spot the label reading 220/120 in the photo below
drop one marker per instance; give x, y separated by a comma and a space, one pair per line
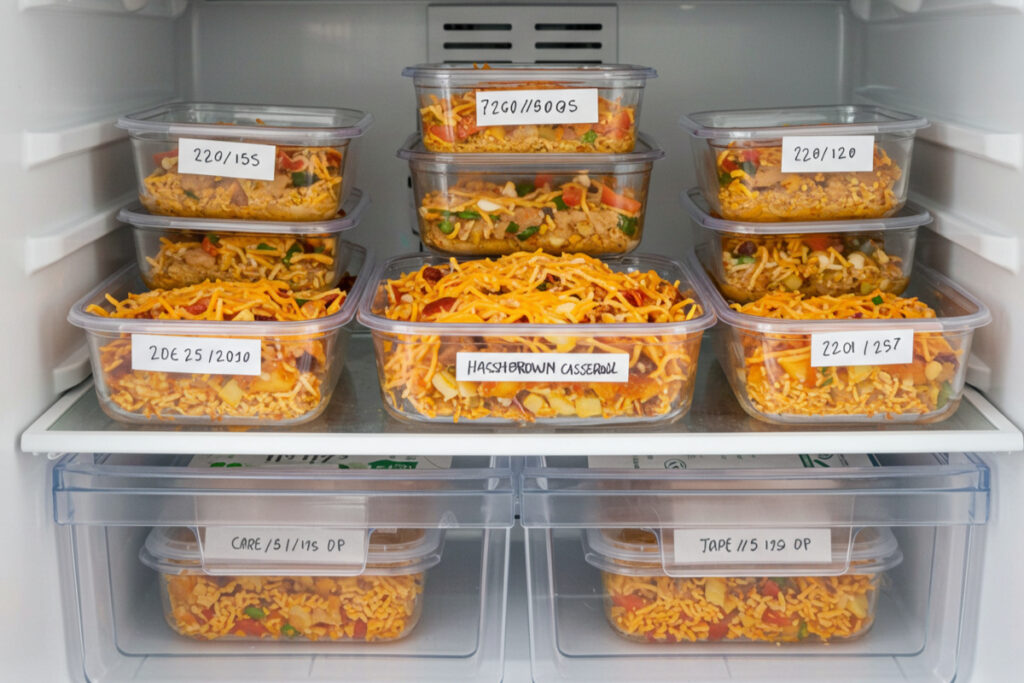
226, 159
863, 347
828, 153
196, 355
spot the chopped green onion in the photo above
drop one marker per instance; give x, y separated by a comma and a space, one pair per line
749, 168
512, 227
627, 224
589, 137
827, 382
191, 195
447, 227
319, 250
543, 286
523, 189
292, 250
304, 178
495, 217
300, 302
213, 237
528, 233
744, 259
263, 246
468, 215
254, 612
802, 632
877, 300
289, 630
560, 204
945, 393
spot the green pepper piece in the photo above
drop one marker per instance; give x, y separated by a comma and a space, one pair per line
589, 137
827, 382
749, 168
512, 227
213, 237
191, 195
627, 224
523, 189
263, 246
560, 204
468, 215
945, 393
877, 300
300, 302
319, 250
528, 233
543, 287
289, 630
802, 632
254, 612
495, 217
447, 227
292, 250
304, 178
724, 178
744, 259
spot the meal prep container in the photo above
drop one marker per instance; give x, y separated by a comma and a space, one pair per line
314, 348
529, 107
416, 361
177, 252
488, 204
646, 601
252, 162
768, 360
803, 163
380, 601
820, 257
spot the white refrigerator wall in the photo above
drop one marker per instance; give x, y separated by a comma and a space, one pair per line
69, 73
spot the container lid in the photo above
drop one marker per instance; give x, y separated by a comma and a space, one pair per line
349, 215
910, 216
763, 124
639, 552
127, 280
406, 263
470, 74
956, 309
173, 550
314, 126
645, 151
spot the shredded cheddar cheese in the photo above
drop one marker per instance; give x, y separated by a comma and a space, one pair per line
418, 371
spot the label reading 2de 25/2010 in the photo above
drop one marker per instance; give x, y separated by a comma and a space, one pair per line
205, 355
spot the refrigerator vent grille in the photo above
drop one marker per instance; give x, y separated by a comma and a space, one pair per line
542, 34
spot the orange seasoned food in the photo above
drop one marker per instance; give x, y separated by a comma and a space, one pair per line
418, 371
777, 376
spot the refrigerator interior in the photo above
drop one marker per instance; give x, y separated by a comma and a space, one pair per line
74, 65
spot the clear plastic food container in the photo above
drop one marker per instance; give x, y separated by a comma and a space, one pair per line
380, 601
259, 372
177, 252
529, 107
821, 257
265, 163
556, 373
487, 204
646, 602
851, 370
803, 163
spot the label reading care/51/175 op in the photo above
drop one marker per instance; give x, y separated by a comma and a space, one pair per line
541, 367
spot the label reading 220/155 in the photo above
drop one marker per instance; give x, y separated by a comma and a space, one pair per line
541, 367
536, 107
828, 153
196, 355
864, 347
226, 159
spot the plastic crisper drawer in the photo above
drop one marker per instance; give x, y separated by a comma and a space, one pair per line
662, 546
282, 567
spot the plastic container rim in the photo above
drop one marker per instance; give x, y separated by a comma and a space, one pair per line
897, 122
78, 317
143, 122
467, 73
379, 323
754, 323
355, 205
909, 217
646, 150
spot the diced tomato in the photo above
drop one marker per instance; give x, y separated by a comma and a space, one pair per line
629, 602
333, 157
199, 306
431, 274
719, 629
822, 242
439, 305
770, 616
769, 588
443, 132
541, 180
618, 201
619, 122
360, 629
396, 293
157, 158
466, 126
728, 165
650, 637
751, 155
209, 247
572, 195
634, 296
286, 163
207, 612
250, 627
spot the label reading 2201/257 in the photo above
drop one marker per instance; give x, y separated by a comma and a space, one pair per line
196, 355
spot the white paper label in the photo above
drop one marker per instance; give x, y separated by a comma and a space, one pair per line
744, 546
534, 107
727, 462
305, 545
342, 462
471, 366
828, 153
226, 159
196, 355
863, 347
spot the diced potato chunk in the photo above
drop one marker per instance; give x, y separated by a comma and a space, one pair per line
714, 591
859, 606
445, 383
588, 406
858, 373
231, 393
561, 405
535, 404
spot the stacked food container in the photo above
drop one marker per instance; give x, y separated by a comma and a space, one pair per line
250, 286
543, 167
809, 240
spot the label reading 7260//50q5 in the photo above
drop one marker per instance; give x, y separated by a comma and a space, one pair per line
828, 153
196, 355
536, 107
752, 546
862, 347
541, 367
226, 159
